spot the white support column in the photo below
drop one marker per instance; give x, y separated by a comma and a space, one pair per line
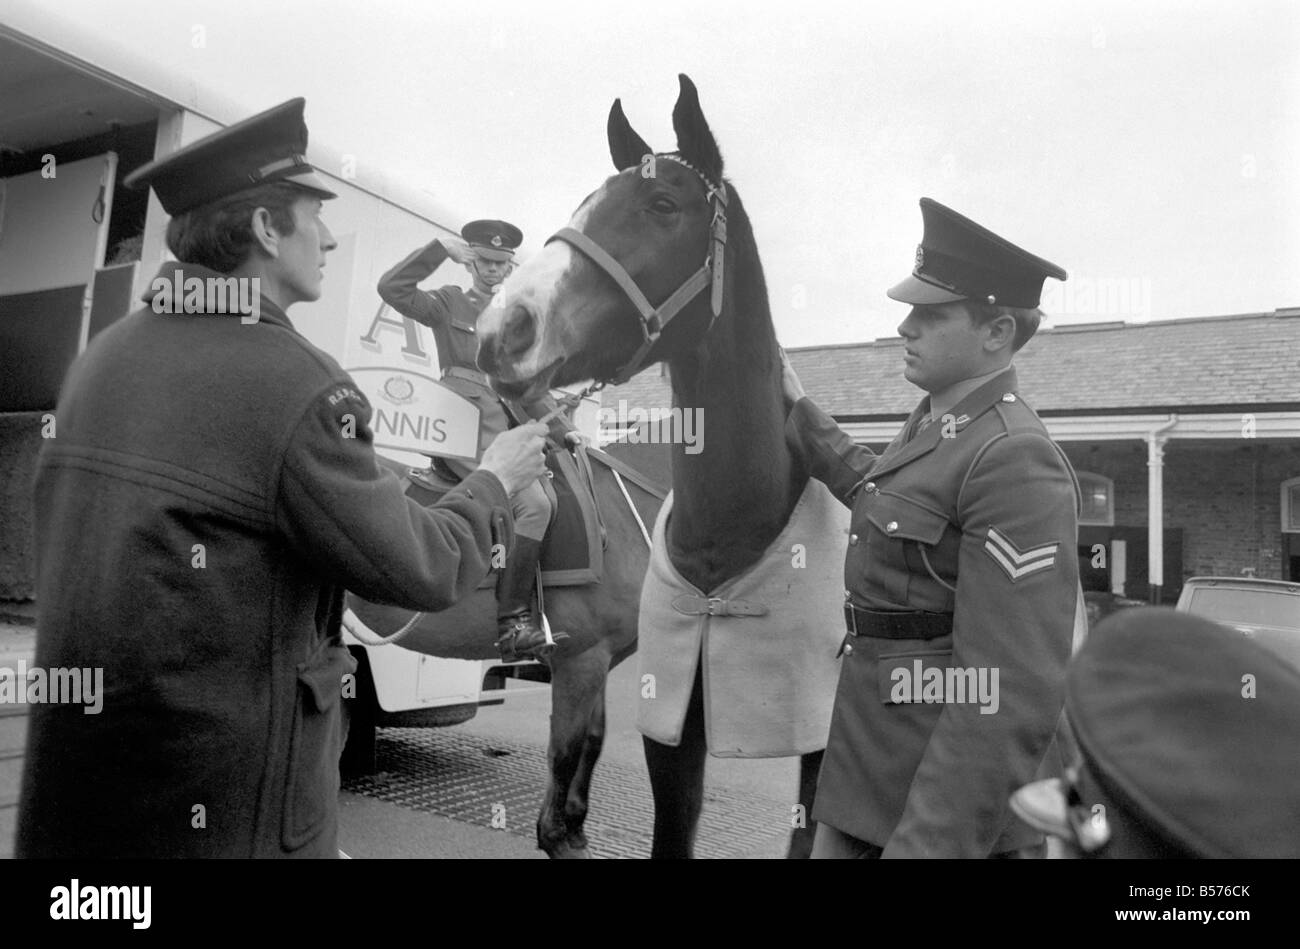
1156, 507
1118, 566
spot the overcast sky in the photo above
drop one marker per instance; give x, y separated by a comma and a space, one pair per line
1150, 148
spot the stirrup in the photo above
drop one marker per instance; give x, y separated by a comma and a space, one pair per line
541, 651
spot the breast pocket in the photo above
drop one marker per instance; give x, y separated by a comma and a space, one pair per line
464, 340
312, 782
901, 529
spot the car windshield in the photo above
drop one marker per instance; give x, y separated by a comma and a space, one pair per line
1254, 607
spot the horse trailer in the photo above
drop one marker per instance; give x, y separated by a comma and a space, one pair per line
77, 249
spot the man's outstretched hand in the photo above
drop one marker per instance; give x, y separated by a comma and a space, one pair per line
791, 387
517, 456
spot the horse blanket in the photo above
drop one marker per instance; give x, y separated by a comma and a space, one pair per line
768, 639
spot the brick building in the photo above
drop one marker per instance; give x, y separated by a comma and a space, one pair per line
1185, 435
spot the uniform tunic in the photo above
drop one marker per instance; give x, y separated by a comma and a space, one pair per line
210, 492
452, 314
975, 516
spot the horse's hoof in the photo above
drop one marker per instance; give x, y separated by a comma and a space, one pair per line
567, 851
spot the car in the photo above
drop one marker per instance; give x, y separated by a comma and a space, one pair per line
1101, 604
1267, 611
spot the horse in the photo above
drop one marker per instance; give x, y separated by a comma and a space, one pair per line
580, 310
600, 620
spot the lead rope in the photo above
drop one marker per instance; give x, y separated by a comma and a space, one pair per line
645, 534
368, 637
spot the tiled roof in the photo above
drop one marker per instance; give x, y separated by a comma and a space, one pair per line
1252, 359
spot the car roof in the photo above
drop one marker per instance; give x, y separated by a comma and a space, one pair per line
1246, 582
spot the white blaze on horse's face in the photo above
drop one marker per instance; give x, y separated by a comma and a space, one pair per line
559, 318
524, 302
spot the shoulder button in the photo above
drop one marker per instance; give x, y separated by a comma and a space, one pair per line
1009, 397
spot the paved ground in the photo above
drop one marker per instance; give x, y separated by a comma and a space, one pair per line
473, 790
491, 772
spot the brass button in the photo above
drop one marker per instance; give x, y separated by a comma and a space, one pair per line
853, 540
848, 649
891, 527
869, 487
847, 595
1009, 397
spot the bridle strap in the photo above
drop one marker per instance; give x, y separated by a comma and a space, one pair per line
655, 319
612, 267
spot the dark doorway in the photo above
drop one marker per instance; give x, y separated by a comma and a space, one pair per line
1291, 557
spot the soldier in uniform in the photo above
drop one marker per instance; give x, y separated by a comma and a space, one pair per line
210, 491
961, 574
1186, 735
487, 251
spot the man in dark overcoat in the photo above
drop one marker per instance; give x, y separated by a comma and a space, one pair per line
210, 491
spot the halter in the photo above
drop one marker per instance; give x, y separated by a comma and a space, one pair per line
654, 320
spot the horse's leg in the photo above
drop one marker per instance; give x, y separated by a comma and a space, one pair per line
577, 684
801, 840
575, 811
677, 782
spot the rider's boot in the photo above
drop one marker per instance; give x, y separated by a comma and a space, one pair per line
520, 635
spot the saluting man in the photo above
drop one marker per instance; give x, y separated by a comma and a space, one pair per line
961, 573
487, 252
211, 490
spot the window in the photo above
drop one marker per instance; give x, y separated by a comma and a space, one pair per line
1291, 506
1098, 499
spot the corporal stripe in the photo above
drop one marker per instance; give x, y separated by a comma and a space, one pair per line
1014, 554
1013, 561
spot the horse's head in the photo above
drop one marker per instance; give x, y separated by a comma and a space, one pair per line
568, 315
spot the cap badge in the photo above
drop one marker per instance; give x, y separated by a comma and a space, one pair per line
496, 240
399, 390
920, 257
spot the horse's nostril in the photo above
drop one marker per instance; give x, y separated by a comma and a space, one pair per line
519, 330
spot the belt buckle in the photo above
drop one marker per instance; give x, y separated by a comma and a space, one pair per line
851, 621
717, 606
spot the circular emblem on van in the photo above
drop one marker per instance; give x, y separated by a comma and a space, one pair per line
399, 390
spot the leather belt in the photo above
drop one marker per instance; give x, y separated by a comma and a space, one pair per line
460, 372
691, 605
909, 624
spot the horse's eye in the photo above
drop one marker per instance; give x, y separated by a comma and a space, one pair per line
663, 205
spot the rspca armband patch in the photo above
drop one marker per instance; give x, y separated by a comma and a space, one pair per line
1017, 563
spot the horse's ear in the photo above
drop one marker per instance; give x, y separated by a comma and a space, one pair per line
694, 140
625, 146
